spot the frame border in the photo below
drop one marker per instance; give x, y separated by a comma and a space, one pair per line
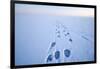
12, 33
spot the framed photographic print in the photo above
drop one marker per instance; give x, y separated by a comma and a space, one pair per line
50, 34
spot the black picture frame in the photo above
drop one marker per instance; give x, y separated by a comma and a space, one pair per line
12, 33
